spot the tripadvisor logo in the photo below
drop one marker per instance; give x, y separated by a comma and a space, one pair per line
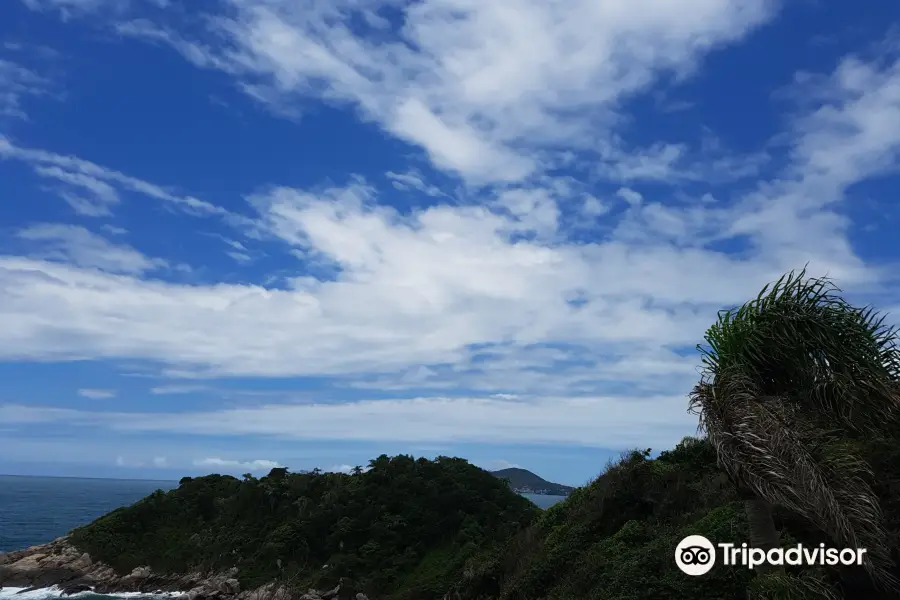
696, 555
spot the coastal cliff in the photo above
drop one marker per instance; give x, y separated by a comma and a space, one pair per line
401, 529
59, 564
437, 530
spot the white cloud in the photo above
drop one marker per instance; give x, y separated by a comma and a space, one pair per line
157, 462
594, 207
483, 88
240, 257
346, 469
115, 230
412, 180
561, 342
17, 82
70, 8
78, 246
100, 195
589, 421
449, 273
442, 279
231, 465
163, 390
630, 196
851, 134
96, 394
103, 185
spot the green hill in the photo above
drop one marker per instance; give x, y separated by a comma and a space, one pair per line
425, 530
522, 480
402, 530
614, 538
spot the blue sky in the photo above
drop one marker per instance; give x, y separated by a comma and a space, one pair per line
260, 232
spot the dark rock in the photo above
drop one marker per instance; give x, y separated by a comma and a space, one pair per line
348, 589
54, 576
12, 578
60, 564
75, 588
104, 588
332, 593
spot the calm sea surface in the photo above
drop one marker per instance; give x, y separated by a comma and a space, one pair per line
35, 510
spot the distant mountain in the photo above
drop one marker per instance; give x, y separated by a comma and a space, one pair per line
524, 481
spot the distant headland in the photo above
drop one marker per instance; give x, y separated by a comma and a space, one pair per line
524, 481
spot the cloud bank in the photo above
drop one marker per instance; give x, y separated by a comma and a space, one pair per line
536, 269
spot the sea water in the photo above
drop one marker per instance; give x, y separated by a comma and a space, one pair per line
37, 510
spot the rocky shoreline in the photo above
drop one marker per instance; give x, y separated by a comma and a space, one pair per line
62, 565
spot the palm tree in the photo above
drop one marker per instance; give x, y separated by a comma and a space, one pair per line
790, 382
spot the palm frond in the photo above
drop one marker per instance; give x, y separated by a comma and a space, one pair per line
811, 586
767, 447
786, 376
801, 340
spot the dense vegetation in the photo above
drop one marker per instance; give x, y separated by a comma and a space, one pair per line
799, 400
521, 479
790, 379
401, 530
415, 529
614, 539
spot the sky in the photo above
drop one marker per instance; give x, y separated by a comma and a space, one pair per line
237, 234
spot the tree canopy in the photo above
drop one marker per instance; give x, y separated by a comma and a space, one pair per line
403, 526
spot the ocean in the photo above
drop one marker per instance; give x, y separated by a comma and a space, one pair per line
36, 510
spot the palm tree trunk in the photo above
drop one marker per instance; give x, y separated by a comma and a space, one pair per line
763, 534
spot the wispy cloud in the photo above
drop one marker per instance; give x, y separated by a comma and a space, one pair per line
519, 293
73, 8
452, 271
231, 465
412, 181
483, 90
157, 462
586, 421
103, 186
16, 83
78, 246
164, 390
96, 394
